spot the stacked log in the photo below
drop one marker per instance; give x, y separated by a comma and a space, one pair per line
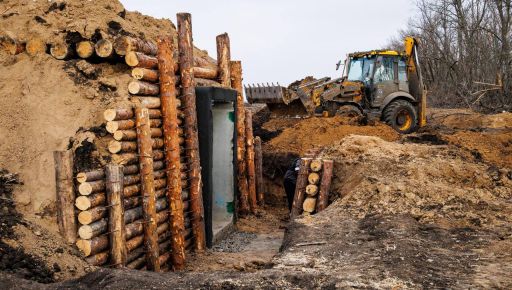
312, 188
35, 46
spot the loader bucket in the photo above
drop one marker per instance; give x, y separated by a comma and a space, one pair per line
268, 94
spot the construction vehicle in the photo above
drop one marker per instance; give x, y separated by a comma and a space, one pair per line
378, 84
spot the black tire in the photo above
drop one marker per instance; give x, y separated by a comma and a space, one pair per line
330, 108
350, 111
401, 116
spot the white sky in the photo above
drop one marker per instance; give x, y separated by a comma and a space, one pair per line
285, 40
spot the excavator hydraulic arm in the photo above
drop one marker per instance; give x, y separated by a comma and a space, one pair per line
415, 77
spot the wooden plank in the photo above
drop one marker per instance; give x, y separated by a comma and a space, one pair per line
116, 226
300, 188
66, 218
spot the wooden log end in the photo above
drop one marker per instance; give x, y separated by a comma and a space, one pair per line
35, 46
82, 203
109, 115
314, 178
114, 146
59, 50
131, 59
316, 165
123, 45
85, 218
112, 126
311, 190
138, 73
309, 205
81, 177
104, 48
85, 188
118, 135
85, 232
134, 87
85, 49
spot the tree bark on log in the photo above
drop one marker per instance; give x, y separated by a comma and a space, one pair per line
104, 48
243, 186
118, 114
136, 252
148, 102
66, 218
98, 259
91, 201
143, 88
132, 158
85, 49
87, 188
35, 46
145, 74
251, 173
186, 55
87, 217
113, 126
206, 73
116, 225
137, 59
94, 175
166, 68
125, 44
258, 165
200, 82
323, 195
148, 189
224, 59
95, 229
130, 135
137, 264
300, 187
93, 246
127, 146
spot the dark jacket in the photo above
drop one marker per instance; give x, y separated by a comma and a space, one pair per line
293, 171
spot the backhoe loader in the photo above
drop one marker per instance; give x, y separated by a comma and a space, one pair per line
383, 84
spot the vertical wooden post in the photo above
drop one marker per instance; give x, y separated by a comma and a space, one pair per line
223, 59
258, 165
166, 66
188, 93
325, 184
147, 187
65, 194
243, 186
116, 227
251, 174
300, 187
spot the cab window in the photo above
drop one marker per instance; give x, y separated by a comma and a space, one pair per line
402, 71
384, 71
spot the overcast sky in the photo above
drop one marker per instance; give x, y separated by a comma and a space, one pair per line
285, 40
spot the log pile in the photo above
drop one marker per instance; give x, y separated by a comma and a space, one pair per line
312, 188
144, 209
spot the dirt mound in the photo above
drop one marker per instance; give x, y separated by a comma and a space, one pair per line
434, 184
319, 132
467, 119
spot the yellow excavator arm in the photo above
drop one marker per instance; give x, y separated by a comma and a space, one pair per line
415, 78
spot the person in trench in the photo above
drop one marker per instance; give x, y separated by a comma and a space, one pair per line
290, 181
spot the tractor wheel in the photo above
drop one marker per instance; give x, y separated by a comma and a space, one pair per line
350, 111
401, 116
330, 108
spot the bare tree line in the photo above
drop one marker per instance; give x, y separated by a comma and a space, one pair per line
465, 52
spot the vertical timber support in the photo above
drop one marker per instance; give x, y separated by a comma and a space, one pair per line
258, 165
188, 95
166, 66
251, 174
325, 184
116, 226
223, 59
147, 187
65, 195
300, 187
243, 186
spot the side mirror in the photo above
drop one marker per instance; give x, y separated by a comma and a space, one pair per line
338, 65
